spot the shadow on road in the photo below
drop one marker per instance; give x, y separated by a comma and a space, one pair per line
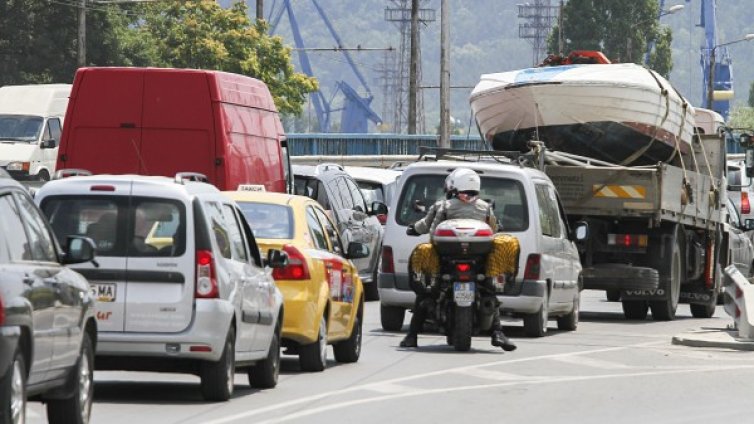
156, 392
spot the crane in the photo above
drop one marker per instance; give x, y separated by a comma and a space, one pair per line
356, 111
722, 86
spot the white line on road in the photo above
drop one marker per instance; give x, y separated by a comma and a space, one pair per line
590, 362
495, 375
309, 399
425, 392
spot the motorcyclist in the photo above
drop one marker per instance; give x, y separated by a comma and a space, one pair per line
462, 192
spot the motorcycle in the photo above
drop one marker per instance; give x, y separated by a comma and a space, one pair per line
464, 297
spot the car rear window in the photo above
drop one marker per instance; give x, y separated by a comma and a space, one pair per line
372, 191
420, 192
268, 221
121, 226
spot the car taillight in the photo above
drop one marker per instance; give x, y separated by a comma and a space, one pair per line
445, 233
297, 269
533, 268
745, 205
388, 266
485, 232
382, 218
206, 282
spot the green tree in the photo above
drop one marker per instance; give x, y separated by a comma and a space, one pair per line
742, 117
201, 34
619, 28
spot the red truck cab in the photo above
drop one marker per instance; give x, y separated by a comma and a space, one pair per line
153, 121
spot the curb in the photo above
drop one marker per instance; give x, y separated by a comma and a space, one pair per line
709, 337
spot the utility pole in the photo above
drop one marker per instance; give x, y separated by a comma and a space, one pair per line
81, 43
260, 10
444, 76
413, 72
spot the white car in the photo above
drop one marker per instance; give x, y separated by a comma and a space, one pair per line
526, 206
376, 184
181, 285
740, 187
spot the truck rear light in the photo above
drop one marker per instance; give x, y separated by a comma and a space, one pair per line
206, 281
102, 187
745, 204
297, 269
533, 266
709, 269
627, 240
388, 266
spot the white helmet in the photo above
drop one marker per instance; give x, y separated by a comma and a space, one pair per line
465, 179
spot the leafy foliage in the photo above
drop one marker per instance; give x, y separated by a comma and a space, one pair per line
742, 117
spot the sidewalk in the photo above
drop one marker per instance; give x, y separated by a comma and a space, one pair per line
713, 337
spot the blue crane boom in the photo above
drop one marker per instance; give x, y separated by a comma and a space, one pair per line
722, 85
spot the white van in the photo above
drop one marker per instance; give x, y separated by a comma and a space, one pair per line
548, 282
31, 123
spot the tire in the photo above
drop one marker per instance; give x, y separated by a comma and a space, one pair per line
570, 322
392, 317
613, 295
371, 290
217, 377
43, 175
77, 408
313, 357
635, 309
463, 325
535, 325
264, 374
670, 281
13, 391
705, 310
348, 351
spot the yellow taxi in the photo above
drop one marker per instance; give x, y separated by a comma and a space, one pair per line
322, 291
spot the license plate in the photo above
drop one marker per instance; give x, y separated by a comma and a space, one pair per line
103, 292
463, 292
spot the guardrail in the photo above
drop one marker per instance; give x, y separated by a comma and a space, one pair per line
320, 144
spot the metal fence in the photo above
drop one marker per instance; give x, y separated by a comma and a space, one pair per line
371, 144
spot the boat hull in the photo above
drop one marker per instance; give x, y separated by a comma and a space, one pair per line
629, 116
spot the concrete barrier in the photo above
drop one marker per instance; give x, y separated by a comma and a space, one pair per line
739, 302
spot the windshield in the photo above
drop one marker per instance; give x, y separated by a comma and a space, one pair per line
20, 127
268, 221
421, 191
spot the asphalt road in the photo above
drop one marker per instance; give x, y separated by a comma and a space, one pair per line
609, 370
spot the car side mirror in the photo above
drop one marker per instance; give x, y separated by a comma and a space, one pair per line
749, 225
48, 144
379, 208
581, 232
79, 249
357, 250
749, 161
276, 259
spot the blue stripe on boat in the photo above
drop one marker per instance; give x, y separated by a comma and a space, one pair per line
544, 74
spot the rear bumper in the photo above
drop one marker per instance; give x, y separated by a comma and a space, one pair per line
300, 321
9, 337
620, 277
209, 327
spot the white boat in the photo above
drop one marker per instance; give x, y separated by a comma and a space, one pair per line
622, 113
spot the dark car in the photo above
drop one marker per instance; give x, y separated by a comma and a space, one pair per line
47, 325
357, 221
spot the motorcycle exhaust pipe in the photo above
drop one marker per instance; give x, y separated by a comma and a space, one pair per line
487, 307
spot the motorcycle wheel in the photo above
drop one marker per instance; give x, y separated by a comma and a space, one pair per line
463, 322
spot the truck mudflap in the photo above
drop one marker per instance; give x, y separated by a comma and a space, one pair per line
696, 295
621, 277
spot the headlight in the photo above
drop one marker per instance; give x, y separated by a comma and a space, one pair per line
18, 166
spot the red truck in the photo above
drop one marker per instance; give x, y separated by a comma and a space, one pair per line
152, 121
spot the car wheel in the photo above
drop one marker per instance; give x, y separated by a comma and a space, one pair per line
349, 351
264, 374
706, 310
218, 377
570, 321
635, 309
313, 357
13, 392
535, 325
43, 176
78, 407
392, 317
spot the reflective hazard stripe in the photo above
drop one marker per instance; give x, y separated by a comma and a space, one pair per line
620, 191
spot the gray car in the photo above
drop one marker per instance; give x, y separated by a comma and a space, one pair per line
357, 221
48, 330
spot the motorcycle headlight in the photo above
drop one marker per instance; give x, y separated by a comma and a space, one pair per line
18, 166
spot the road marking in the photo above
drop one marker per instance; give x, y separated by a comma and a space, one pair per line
445, 390
495, 375
591, 362
312, 398
389, 388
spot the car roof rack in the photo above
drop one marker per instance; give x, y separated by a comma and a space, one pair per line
532, 158
324, 167
71, 172
182, 177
